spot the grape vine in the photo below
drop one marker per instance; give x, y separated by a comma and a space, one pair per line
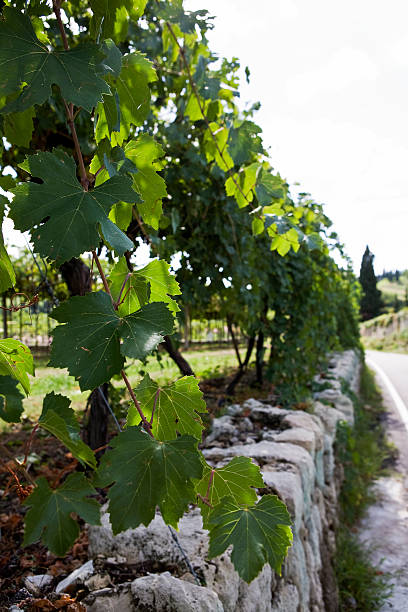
72, 203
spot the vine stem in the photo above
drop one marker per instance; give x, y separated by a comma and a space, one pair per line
204, 116
85, 184
18, 465
69, 108
145, 422
102, 275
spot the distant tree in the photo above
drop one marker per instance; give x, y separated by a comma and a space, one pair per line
371, 302
397, 276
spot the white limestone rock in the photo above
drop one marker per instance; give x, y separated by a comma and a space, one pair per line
256, 596
75, 578
306, 421
222, 430
117, 599
288, 486
286, 599
165, 593
301, 437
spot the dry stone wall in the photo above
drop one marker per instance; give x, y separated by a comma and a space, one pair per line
295, 450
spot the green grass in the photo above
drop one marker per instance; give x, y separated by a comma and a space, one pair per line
392, 288
206, 363
363, 452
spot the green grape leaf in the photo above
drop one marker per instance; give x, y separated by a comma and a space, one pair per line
89, 344
105, 15
121, 215
63, 218
259, 534
176, 407
59, 419
16, 361
244, 142
235, 480
215, 146
11, 405
24, 59
144, 152
115, 117
49, 517
268, 188
18, 127
142, 331
241, 185
136, 292
7, 275
7, 182
148, 473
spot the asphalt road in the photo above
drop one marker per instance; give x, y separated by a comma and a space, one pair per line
392, 377
385, 527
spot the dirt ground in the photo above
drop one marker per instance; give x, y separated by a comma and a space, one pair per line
46, 456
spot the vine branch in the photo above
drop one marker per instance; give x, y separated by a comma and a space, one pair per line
205, 118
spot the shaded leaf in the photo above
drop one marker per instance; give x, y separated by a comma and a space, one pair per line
63, 218
7, 275
25, 59
148, 473
11, 405
18, 127
177, 407
49, 517
105, 13
89, 345
259, 534
59, 419
115, 118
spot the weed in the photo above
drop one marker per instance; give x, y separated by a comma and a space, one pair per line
363, 452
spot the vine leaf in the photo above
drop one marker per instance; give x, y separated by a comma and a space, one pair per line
16, 360
268, 188
24, 59
105, 14
148, 473
63, 218
144, 152
244, 141
153, 283
240, 185
18, 127
11, 405
236, 480
259, 534
49, 517
7, 275
143, 330
177, 407
59, 419
89, 345
129, 104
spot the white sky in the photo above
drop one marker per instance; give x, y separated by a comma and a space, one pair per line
332, 81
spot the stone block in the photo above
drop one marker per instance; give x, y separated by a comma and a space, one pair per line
301, 437
288, 486
256, 596
286, 599
165, 593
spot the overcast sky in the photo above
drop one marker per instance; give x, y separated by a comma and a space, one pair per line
332, 81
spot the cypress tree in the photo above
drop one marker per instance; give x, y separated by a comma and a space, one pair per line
370, 303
